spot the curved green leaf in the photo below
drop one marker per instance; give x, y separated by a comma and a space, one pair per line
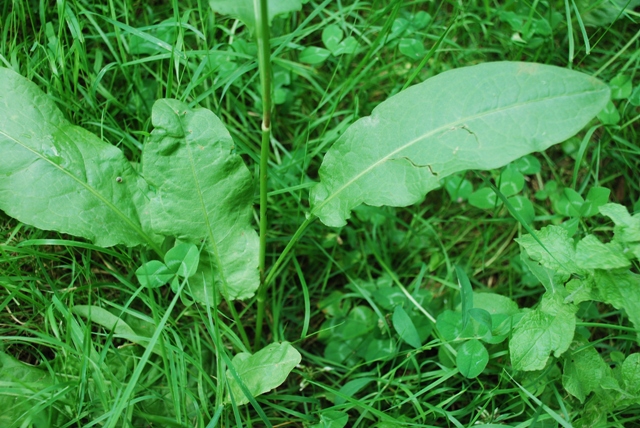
203, 190
549, 328
57, 176
472, 358
261, 372
113, 323
479, 117
405, 327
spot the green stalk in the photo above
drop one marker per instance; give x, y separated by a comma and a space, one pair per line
264, 63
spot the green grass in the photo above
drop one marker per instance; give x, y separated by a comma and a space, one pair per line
82, 54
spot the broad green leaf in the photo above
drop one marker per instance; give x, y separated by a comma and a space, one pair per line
458, 188
478, 327
631, 373
399, 27
542, 331
472, 358
495, 303
202, 191
111, 322
378, 349
569, 203
22, 392
484, 198
626, 225
609, 115
412, 48
634, 98
511, 182
622, 290
262, 371
314, 55
523, 207
183, 259
593, 254
557, 251
360, 321
404, 326
348, 46
420, 20
343, 352
482, 317
57, 176
621, 87
478, 117
332, 36
596, 197
527, 165
154, 274
584, 370
449, 324
550, 279
627, 229
388, 297
580, 290
244, 11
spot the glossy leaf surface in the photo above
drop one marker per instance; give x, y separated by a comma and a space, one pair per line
57, 176
479, 117
203, 190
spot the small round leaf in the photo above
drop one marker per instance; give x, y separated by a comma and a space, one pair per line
472, 358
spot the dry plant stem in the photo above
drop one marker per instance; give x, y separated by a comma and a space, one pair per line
264, 63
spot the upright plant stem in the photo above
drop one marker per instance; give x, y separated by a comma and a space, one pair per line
264, 63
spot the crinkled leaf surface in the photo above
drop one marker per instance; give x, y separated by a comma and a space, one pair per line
202, 191
622, 290
547, 329
478, 117
584, 370
243, 9
631, 373
593, 254
57, 176
262, 371
627, 230
557, 251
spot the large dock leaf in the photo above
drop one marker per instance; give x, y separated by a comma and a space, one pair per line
57, 176
203, 191
478, 117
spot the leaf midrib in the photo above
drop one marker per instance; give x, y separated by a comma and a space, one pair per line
441, 128
86, 186
205, 213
